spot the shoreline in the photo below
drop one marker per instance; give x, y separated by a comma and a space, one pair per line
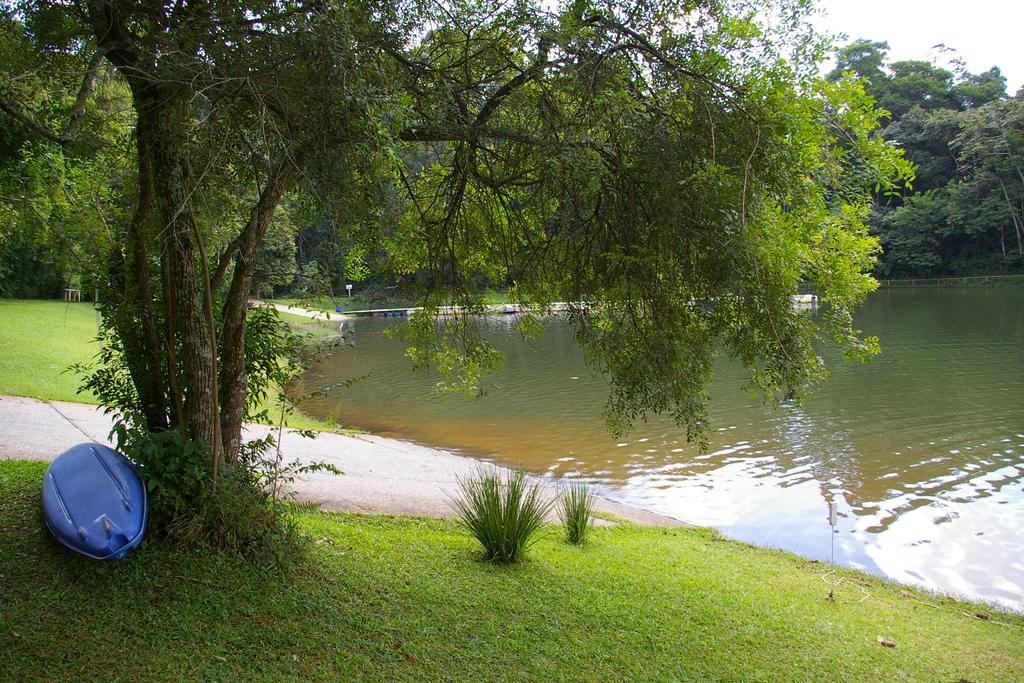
381, 475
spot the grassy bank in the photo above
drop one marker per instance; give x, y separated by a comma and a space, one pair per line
359, 302
39, 340
382, 598
318, 329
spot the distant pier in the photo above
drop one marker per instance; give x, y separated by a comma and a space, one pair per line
491, 309
800, 301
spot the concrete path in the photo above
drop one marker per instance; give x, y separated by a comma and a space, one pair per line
298, 310
381, 475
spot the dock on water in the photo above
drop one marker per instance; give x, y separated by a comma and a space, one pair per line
492, 309
800, 301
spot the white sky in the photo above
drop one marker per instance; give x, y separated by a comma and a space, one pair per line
985, 33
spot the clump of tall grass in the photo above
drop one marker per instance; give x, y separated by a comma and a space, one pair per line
576, 510
502, 511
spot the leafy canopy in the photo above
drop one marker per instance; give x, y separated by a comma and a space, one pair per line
673, 168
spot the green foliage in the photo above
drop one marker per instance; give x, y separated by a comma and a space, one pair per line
274, 355
911, 235
915, 83
107, 377
240, 516
576, 510
451, 345
27, 268
990, 147
60, 203
926, 138
681, 222
863, 58
965, 214
174, 468
977, 90
504, 511
276, 269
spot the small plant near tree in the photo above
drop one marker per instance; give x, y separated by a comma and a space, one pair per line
576, 510
503, 510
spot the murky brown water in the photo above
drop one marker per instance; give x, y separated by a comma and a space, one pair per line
923, 449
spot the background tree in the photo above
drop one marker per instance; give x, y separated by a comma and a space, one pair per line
991, 150
61, 191
916, 84
957, 129
864, 59
276, 262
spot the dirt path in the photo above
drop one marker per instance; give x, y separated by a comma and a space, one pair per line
382, 475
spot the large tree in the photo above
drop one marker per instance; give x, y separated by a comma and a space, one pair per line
991, 151
673, 167
962, 216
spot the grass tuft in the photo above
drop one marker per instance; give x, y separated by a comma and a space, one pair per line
502, 511
576, 510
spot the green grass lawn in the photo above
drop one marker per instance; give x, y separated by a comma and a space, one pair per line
318, 329
39, 340
382, 598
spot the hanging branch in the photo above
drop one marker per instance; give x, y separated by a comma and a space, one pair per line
70, 133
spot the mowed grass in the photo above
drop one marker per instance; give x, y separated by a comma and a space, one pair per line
318, 329
40, 340
381, 598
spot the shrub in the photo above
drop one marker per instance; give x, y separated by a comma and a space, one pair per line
502, 511
242, 516
575, 511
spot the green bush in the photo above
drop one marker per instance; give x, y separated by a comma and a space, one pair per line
576, 510
241, 516
502, 511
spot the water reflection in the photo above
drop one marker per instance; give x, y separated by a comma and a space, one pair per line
921, 449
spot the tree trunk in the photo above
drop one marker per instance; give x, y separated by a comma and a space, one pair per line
163, 121
234, 377
148, 375
1013, 217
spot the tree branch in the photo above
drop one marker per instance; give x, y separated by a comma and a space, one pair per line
641, 44
225, 262
463, 134
30, 122
71, 132
502, 93
74, 123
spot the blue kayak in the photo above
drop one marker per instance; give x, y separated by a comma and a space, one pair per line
94, 501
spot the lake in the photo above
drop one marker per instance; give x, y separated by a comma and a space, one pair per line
922, 449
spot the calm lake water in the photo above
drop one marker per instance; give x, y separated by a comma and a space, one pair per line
923, 449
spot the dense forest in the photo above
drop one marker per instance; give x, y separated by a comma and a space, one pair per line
963, 214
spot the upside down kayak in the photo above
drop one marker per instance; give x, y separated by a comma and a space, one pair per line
94, 501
